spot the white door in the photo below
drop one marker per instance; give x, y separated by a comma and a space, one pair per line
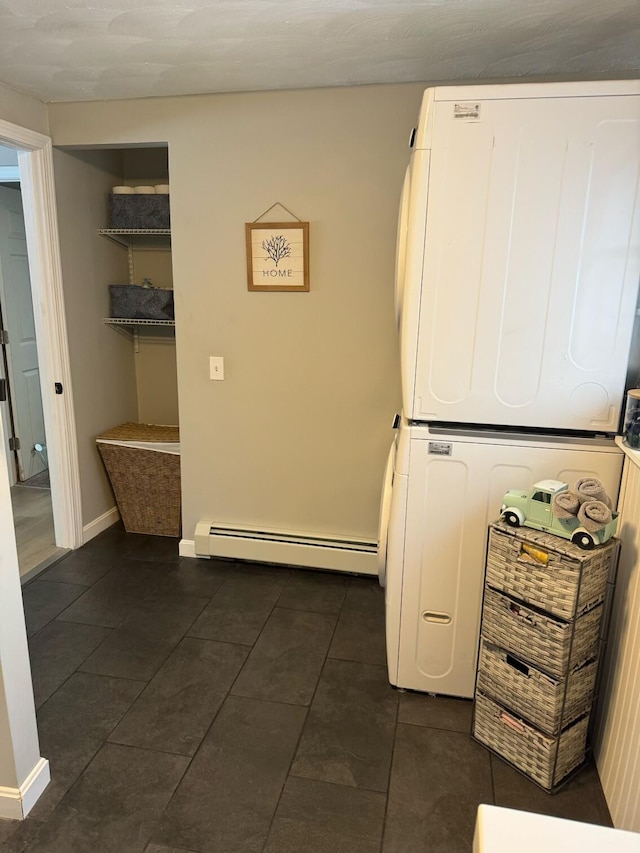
22, 355
455, 490
530, 264
5, 419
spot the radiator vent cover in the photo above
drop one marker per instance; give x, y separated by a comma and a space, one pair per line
291, 548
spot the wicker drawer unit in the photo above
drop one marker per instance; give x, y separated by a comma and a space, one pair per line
546, 571
550, 704
546, 760
538, 638
539, 648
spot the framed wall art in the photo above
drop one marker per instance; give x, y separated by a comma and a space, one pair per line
277, 255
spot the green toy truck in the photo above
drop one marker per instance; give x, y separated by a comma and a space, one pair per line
535, 509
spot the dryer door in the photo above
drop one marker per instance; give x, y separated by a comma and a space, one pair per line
385, 510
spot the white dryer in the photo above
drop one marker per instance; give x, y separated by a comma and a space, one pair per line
442, 490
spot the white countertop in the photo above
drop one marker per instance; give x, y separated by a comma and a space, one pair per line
500, 830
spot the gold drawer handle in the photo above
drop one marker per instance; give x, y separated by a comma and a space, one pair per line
531, 554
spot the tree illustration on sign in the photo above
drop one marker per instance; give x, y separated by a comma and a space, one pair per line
277, 248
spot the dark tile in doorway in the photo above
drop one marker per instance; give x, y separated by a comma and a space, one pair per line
16, 835
115, 539
359, 637
74, 723
229, 794
82, 567
141, 644
194, 577
43, 601
155, 549
261, 571
348, 735
113, 597
285, 663
580, 799
438, 780
181, 701
7, 828
115, 804
239, 609
317, 817
57, 651
321, 592
436, 712
365, 595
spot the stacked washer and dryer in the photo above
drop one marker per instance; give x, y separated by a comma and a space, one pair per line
517, 273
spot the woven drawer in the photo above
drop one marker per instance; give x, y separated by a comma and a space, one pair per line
549, 572
538, 638
533, 694
546, 760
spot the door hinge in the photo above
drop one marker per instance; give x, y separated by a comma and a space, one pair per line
3, 390
14, 443
4, 336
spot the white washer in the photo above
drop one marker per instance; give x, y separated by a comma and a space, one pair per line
445, 489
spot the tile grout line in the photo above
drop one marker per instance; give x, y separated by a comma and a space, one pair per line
253, 645
386, 804
164, 660
294, 753
204, 737
493, 780
98, 748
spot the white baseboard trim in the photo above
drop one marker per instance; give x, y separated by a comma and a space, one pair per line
187, 548
16, 803
100, 524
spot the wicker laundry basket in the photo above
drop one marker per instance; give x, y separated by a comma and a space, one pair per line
145, 479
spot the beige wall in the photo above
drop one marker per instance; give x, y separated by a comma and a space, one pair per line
297, 434
102, 359
23, 110
156, 370
157, 380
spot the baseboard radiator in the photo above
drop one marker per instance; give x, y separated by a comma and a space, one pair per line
289, 548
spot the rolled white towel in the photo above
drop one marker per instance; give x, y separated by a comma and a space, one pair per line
591, 489
566, 505
594, 515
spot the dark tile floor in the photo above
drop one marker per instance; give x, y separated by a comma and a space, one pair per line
229, 708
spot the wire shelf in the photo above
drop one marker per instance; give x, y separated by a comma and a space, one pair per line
124, 321
128, 237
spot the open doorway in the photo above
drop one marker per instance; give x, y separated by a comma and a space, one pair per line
37, 412
21, 409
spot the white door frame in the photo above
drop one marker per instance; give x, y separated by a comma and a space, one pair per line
35, 157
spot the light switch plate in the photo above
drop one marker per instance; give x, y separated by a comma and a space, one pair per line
216, 367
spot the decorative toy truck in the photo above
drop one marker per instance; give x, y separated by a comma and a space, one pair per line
536, 509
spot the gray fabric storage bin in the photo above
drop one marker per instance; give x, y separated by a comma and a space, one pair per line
139, 211
132, 302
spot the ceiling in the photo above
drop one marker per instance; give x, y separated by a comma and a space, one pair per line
67, 50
